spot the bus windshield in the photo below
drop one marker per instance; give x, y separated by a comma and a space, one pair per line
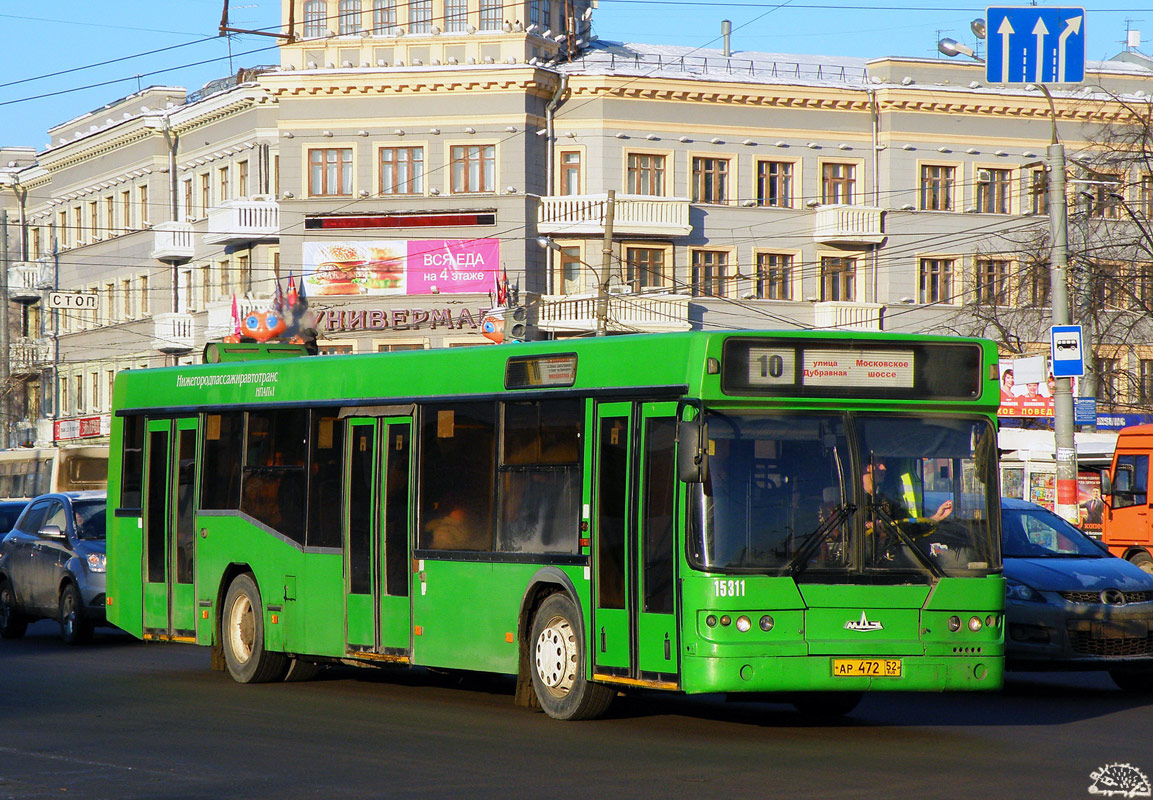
795, 493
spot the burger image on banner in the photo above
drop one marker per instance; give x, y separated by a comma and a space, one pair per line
339, 270
385, 267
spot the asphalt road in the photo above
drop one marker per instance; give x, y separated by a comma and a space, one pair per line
122, 719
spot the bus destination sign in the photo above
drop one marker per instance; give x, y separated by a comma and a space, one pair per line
776, 366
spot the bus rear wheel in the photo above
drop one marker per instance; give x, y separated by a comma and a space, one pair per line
12, 622
558, 662
242, 635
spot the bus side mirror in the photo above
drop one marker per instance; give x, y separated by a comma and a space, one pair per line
1106, 484
692, 460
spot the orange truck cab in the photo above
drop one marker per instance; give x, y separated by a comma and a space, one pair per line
1128, 520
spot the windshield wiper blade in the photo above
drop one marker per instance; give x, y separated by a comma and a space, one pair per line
815, 539
918, 553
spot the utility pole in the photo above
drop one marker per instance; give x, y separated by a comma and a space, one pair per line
1065, 503
606, 265
5, 344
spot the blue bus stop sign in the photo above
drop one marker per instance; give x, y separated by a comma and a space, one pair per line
1035, 45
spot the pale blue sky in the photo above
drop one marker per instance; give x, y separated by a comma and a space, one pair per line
68, 36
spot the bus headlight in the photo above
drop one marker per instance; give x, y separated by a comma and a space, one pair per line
97, 562
766, 623
954, 623
974, 624
744, 623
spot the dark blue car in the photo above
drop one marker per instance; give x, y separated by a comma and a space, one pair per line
1069, 604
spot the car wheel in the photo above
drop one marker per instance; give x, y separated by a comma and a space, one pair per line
12, 622
1136, 681
74, 628
1143, 560
558, 664
827, 704
242, 634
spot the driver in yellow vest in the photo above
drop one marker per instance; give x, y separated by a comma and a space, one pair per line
906, 507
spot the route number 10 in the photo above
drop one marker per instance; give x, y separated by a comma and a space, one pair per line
772, 367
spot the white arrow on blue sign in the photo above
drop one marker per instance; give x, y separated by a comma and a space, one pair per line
1035, 45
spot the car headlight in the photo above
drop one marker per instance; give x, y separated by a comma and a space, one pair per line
97, 562
1019, 591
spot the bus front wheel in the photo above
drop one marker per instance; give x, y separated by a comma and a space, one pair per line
558, 662
242, 635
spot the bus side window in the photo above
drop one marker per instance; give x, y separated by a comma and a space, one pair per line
458, 458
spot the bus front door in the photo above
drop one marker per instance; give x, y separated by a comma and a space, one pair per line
634, 565
169, 522
377, 522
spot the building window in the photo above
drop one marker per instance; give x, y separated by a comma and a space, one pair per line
490, 14
992, 282
1103, 196
837, 182
645, 267
142, 195
222, 183
936, 280
1145, 196
143, 282
993, 190
1145, 382
383, 16
936, 187
775, 184
110, 215
710, 180
62, 228
34, 243
473, 168
420, 16
78, 224
570, 172
1108, 380
709, 273
315, 19
349, 17
401, 170
242, 179
79, 394
330, 172
126, 298
1037, 283
94, 221
570, 274
126, 209
1038, 192
540, 14
455, 15
646, 174
205, 194
774, 276
838, 278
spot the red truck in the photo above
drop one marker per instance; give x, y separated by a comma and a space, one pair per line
1127, 524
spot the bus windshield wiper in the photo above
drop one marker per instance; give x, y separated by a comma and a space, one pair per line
815, 539
918, 553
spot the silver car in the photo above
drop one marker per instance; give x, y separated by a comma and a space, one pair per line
52, 566
1069, 604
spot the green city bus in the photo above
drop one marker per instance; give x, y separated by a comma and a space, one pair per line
699, 512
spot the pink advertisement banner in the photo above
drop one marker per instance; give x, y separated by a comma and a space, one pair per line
400, 267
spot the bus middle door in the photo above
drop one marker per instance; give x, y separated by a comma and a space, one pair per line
169, 520
634, 623
377, 537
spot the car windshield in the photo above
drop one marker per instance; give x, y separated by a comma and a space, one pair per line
1039, 533
89, 518
788, 494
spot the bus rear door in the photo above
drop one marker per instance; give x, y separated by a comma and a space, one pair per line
377, 516
169, 522
633, 628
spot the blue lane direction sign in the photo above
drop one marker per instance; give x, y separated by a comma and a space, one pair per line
1035, 45
1066, 356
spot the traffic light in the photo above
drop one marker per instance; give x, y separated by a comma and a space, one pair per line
517, 323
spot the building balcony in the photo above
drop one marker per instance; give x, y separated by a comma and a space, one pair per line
633, 215
23, 277
847, 316
172, 332
244, 220
848, 225
626, 313
27, 356
172, 241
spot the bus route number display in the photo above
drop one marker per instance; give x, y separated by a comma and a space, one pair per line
863, 369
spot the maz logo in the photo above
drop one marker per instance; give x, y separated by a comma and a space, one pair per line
863, 624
